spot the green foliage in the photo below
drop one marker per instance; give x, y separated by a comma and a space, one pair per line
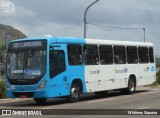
157, 82
2, 89
158, 62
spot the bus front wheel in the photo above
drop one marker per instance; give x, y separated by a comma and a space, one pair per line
40, 100
74, 93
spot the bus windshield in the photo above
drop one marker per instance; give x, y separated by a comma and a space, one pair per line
26, 64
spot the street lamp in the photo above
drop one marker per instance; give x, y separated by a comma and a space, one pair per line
85, 22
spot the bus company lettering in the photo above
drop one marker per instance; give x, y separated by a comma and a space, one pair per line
125, 70
94, 72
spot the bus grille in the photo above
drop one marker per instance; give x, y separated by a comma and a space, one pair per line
27, 94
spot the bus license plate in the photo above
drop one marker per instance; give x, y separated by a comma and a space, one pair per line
23, 96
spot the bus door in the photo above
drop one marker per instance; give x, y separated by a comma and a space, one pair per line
57, 68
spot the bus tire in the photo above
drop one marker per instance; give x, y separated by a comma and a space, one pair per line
131, 87
40, 100
74, 93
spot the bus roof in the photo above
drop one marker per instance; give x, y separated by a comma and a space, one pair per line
88, 41
115, 42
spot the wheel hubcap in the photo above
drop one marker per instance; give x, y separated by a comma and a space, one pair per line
74, 92
131, 86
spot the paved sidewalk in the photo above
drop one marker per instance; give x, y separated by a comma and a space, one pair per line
8, 100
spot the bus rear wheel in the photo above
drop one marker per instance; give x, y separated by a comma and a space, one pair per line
74, 93
40, 100
131, 87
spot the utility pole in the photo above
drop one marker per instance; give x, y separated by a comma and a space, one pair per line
144, 31
4, 39
85, 21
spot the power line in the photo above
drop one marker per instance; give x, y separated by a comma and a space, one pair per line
113, 27
129, 28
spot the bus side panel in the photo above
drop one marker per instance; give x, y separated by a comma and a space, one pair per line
99, 77
91, 75
128, 70
74, 73
58, 86
147, 74
61, 84
121, 75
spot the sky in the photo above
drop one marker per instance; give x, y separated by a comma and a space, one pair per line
65, 18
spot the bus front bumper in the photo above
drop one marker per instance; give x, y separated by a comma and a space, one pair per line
26, 94
47, 92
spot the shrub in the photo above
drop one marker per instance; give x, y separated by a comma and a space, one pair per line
2, 89
157, 82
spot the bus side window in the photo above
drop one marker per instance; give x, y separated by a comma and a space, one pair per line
74, 54
132, 55
143, 54
106, 54
91, 54
151, 55
119, 55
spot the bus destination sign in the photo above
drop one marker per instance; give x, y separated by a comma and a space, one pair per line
27, 44
38, 44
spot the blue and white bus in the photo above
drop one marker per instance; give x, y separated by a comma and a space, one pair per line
49, 67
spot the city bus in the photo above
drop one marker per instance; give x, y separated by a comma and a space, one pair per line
50, 67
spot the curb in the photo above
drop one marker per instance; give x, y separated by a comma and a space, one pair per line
9, 100
6, 99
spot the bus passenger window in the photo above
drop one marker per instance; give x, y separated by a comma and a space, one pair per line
132, 55
106, 54
151, 55
74, 54
91, 54
143, 54
119, 55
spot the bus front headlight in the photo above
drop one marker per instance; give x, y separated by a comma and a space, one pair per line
42, 84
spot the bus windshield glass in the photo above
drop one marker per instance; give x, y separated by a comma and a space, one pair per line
28, 63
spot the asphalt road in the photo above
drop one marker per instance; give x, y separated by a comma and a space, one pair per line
116, 104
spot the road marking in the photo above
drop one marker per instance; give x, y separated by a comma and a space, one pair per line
101, 100
149, 92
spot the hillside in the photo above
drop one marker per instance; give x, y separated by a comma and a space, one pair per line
11, 32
